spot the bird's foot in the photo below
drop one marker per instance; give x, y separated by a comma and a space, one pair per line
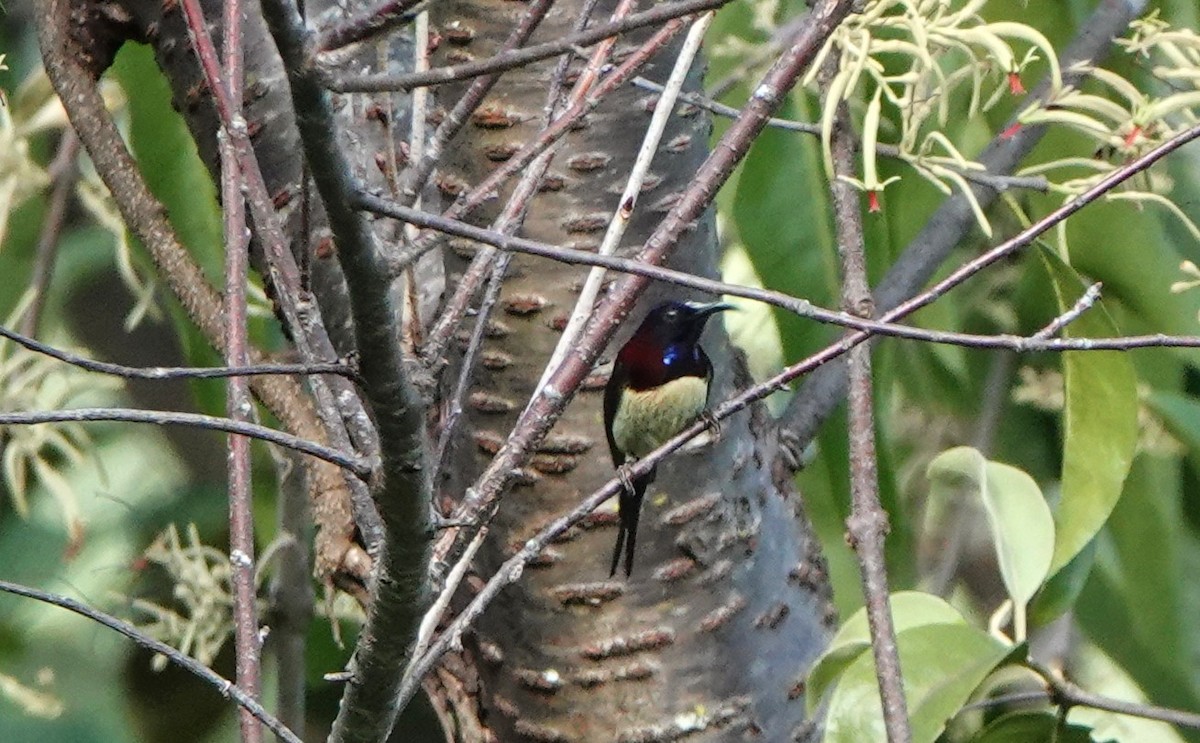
626, 479
439, 523
711, 421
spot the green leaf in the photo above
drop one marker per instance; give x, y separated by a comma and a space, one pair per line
1180, 414
1020, 521
1100, 421
780, 213
1139, 606
1032, 727
909, 609
1062, 590
170, 164
942, 665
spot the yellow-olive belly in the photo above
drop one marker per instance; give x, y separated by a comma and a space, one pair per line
645, 419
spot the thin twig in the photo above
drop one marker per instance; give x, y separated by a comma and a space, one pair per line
67, 65
521, 159
867, 525
339, 406
663, 109
454, 406
413, 180
224, 687
800, 307
1083, 304
65, 172
413, 326
238, 405
1067, 694
453, 310
346, 423
529, 429
175, 372
368, 22
508, 223
997, 181
543, 411
511, 59
172, 418
434, 615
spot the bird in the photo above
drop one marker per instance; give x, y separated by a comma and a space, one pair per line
659, 385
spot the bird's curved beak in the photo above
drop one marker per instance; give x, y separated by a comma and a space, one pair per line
704, 310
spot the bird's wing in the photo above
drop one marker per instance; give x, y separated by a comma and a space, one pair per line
612, 400
708, 375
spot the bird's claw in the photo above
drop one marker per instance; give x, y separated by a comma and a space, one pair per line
711, 422
439, 523
625, 478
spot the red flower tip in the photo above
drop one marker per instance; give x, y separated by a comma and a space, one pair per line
1133, 135
1014, 84
873, 202
1011, 131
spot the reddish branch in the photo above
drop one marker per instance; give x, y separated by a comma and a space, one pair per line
514, 58
867, 526
338, 401
454, 309
247, 645
367, 23
541, 413
414, 177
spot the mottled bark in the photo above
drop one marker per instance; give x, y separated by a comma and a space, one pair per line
727, 605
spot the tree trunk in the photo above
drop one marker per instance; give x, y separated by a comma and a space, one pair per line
729, 602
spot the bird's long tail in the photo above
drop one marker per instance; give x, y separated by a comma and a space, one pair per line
629, 507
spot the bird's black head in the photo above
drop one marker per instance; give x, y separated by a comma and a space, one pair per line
678, 322
666, 346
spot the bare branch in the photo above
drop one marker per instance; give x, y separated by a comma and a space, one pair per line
377, 19
456, 306
1067, 694
415, 176
543, 410
508, 60
238, 405
369, 706
339, 405
171, 418
1082, 305
224, 687
867, 526
174, 372
997, 181
800, 307
67, 66
633, 187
